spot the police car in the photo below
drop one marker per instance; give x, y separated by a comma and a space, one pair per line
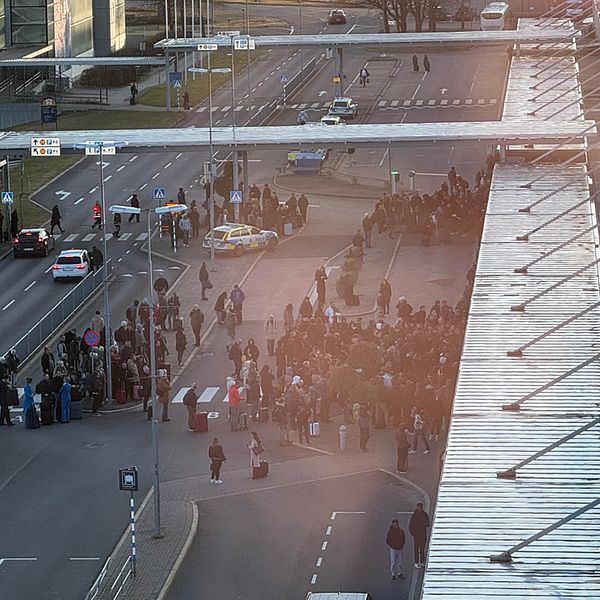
345, 108
331, 120
237, 239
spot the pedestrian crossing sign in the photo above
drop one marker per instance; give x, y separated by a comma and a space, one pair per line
235, 197
6, 197
177, 83
160, 194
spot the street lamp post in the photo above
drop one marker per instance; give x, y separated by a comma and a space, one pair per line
210, 71
159, 211
99, 146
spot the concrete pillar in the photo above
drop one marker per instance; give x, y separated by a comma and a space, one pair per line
167, 82
341, 73
246, 174
236, 185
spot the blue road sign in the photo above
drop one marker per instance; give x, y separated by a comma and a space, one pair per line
177, 83
6, 197
283, 78
160, 194
235, 197
91, 338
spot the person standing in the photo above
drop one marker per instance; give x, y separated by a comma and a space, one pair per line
402, 447
117, 224
426, 64
219, 308
364, 424
367, 225
256, 449
163, 389
97, 260
233, 395
230, 322
415, 63
55, 220
385, 289
363, 76
134, 202
189, 400
180, 344
134, 93
237, 298
419, 433
195, 220
217, 458
452, 178
418, 525
395, 541
303, 207
186, 228
181, 196
321, 278
28, 402
4, 407
97, 214
65, 401
47, 361
196, 321
288, 318
204, 280
271, 334
235, 356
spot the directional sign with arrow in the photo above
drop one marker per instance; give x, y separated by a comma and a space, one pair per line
443, 90
63, 194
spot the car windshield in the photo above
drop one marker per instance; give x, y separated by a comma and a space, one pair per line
68, 260
219, 235
340, 104
491, 15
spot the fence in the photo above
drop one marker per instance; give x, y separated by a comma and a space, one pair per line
46, 326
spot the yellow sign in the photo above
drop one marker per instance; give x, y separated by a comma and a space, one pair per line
337, 79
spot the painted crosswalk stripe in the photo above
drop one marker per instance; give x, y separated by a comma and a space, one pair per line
238, 108
301, 106
406, 103
469, 101
315, 105
201, 109
141, 237
180, 394
71, 238
225, 109
431, 102
456, 101
108, 236
395, 102
419, 102
444, 102
57, 236
494, 101
208, 394
294, 106
89, 237
481, 101
125, 236
382, 102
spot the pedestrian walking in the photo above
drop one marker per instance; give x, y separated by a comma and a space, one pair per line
65, 401
426, 64
385, 289
363, 76
195, 220
233, 396
395, 541
280, 418
402, 447
134, 202
55, 220
219, 308
97, 258
419, 433
4, 406
163, 390
302, 117
358, 240
196, 321
117, 224
452, 178
364, 424
14, 223
217, 458
415, 63
186, 229
235, 356
367, 225
230, 323
418, 525
237, 298
288, 318
190, 400
256, 449
133, 89
320, 279
97, 215
204, 278
271, 334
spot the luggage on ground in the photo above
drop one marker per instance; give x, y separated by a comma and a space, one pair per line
138, 392
76, 409
201, 422
244, 421
13, 397
47, 411
32, 420
121, 396
264, 414
263, 470
314, 429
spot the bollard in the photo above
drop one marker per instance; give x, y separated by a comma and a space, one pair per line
343, 430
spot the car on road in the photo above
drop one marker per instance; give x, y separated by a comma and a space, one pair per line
33, 241
71, 264
343, 107
336, 17
237, 239
331, 120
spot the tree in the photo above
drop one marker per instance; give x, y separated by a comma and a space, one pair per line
419, 9
392, 10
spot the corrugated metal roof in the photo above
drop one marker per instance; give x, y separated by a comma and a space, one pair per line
478, 515
317, 136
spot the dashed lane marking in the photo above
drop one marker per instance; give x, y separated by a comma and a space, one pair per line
94, 189
30, 285
328, 531
167, 165
143, 186
78, 200
133, 158
107, 178
9, 304
324, 546
319, 561
179, 156
118, 171
89, 237
314, 579
84, 558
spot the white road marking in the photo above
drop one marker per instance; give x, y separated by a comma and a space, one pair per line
107, 177
346, 512
174, 268
14, 559
238, 108
48, 269
394, 102
208, 394
167, 165
84, 558
78, 201
11, 302
469, 101
159, 270
494, 101
178, 156
126, 275
30, 285
89, 237
481, 101
444, 101
324, 546
119, 259
382, 103
314, 579
118, 171
315, 105
218, 121
178, 399
225, 108
141, 237
155, 175
142, 272
431, 102
406, 103
143, 186
328, 532
201, 109
259, 84
108, 236
70, 238
456, 101
125, 236
319, 561
92, 190
419, 102
133, 158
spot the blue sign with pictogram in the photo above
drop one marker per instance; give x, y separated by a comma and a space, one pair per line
6, 197
91, 337
175, 76
160, 194
235, 197
283, 78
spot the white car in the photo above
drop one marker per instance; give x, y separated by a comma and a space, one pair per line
331, 120
236, 239
343, 107
71, 264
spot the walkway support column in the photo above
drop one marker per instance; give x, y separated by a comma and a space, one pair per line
245, 172
236, 184
167, 82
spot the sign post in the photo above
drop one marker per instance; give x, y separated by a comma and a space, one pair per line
284, 79
45, 146
49, 111
128, 482
236, 198
160, 194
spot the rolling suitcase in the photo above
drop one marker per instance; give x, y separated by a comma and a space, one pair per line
13, 397
264, 414
263, 470
244, 421
47, 412
32, 420
314, 429
138, 392
76, 409
201, 422
121, 396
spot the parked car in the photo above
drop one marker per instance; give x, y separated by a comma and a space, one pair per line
331, 120
237, 239
345, 108
33, 241
336, 17
71, 264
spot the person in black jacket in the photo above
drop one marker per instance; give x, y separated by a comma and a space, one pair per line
190, 401
395, 540
217, 458
418, 524
4, 408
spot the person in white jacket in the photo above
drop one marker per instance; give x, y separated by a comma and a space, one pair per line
271, 334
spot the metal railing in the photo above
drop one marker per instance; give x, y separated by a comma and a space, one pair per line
56, 317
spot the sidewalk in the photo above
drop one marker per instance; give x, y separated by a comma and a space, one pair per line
325, 185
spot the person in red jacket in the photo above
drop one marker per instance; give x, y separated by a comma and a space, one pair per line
234, 405
97, 212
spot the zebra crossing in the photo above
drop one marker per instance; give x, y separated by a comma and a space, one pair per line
98, 237
206, 396
381, 104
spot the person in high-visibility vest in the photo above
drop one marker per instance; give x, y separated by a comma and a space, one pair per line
97, 212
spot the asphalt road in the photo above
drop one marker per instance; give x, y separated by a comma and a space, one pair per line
53, 524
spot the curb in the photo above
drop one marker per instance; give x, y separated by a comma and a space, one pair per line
182, 554
325, 194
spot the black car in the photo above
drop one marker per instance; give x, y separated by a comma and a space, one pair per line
336, 17
33, 241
